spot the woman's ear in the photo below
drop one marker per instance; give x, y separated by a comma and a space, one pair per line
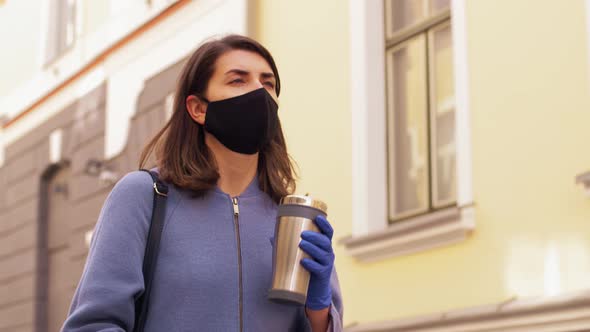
196, 108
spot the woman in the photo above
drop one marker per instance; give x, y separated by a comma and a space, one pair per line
224, 158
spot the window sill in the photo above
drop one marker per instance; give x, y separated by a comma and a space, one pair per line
567, 312
584, 180
421, 233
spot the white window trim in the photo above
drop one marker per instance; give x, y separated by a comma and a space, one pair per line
564, 313
373, 238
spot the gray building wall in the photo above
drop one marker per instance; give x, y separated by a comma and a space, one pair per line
46, 209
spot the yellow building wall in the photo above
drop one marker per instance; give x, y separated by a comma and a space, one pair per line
530, 101
530, 112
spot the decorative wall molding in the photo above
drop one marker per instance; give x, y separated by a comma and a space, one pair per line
564, 313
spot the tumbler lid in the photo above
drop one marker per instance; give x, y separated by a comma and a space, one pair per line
305, 200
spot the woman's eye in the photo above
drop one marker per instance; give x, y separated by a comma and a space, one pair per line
238, 80
270, 85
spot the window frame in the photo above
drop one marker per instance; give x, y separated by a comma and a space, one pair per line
373, 238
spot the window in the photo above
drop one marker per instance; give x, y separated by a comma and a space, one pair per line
61, 30
411, 146
420, 107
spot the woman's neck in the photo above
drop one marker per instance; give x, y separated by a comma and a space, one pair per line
236, 170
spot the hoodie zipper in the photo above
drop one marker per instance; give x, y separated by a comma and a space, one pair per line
240, 286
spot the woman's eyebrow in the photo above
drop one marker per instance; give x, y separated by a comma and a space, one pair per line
237, 71
242, 72
267, 75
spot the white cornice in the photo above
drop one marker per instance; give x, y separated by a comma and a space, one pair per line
564, 313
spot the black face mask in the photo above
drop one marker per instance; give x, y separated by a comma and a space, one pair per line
245, 123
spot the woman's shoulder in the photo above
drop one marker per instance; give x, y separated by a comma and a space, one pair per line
134, 181
133, 186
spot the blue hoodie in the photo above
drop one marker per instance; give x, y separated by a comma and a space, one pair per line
197, 278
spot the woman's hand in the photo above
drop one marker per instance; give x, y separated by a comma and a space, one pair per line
320, 265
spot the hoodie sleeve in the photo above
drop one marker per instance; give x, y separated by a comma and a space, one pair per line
112, 278
336, 309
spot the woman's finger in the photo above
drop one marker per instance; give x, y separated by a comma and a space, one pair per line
324, 226
319, 239
317, 253
312, 266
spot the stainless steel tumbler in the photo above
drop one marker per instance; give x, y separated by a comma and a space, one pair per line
296, 213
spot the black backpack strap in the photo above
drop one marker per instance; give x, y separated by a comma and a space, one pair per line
151, 248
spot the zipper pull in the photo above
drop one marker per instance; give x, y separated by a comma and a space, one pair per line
236, 208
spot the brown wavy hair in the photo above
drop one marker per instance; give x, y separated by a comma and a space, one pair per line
183, 158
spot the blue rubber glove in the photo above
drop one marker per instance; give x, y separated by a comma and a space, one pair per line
319, 247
